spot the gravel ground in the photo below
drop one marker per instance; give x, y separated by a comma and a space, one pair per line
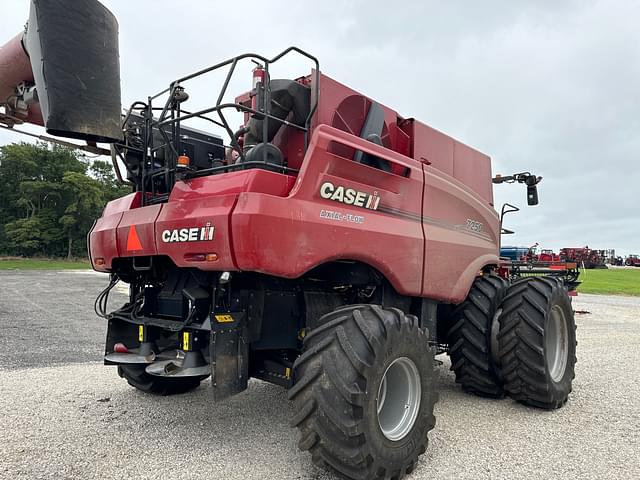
65, 416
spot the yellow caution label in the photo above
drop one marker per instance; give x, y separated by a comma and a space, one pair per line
185, 341
141, 333
224, 318
287, 372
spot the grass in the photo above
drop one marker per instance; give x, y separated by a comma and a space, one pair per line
42, 264
618, 281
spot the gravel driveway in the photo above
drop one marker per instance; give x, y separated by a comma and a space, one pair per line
64, 415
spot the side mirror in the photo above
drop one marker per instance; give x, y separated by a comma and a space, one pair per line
531, 181
532, 194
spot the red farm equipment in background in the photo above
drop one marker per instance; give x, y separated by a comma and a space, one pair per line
632, 261
525, 262
584, 256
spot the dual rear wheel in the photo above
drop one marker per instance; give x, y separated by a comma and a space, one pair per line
515, 339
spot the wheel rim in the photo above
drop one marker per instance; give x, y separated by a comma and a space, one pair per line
398, 400
556, 344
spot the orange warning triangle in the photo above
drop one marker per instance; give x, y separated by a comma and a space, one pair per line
133, 242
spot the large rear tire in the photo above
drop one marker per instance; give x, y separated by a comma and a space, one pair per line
136, 376
471, 335
537, 342
364, 392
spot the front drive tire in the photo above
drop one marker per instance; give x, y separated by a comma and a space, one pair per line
136, 376
364, 392
537, 342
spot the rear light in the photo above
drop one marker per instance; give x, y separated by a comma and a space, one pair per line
99, 262
201, 257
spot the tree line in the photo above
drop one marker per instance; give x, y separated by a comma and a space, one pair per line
49, 199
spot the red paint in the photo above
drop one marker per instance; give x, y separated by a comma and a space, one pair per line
434, 230
197, 212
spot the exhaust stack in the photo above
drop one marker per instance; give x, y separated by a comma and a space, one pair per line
63, 72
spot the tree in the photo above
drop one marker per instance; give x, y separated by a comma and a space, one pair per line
103, 172
49, 198
84, 200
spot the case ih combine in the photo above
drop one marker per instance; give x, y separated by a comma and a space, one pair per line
334, 248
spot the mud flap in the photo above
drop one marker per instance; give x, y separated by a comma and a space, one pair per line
229, 356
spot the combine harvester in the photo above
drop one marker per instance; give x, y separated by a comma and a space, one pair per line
330, 245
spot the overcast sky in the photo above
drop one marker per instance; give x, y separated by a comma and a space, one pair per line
550, 87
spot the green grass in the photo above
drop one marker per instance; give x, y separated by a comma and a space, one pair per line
604, 282
42, 264
610, 282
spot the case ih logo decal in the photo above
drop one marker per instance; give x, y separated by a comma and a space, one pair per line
193, 234
349, 196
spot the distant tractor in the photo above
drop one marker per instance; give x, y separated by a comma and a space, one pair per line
532, 255
632, 261
548, 256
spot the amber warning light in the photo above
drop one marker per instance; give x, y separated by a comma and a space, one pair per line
183, 161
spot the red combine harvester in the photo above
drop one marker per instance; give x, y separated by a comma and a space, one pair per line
329, 245
585, 257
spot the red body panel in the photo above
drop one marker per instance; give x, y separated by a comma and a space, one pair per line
102, 238
429, 229
192, 203
143, 220
289, 236
213, 210
259, 181
467, 165
462, 234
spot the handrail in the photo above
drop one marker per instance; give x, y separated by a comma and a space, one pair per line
171, 116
